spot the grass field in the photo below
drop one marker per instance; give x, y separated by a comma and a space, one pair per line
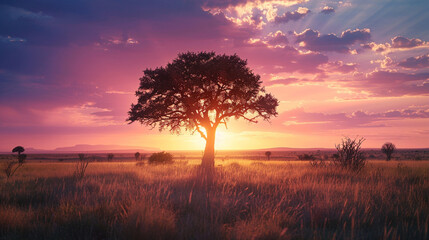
247, 200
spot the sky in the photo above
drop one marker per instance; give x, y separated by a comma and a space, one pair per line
359, 68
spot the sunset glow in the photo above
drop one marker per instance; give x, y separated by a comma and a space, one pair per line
69, 71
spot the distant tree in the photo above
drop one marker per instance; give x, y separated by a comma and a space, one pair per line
110, 157
198, 92
18, 149
11, 165
268, 154
161, 158
137, 155
388, 149
350, 155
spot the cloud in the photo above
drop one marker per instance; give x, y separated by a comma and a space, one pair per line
388, 83
385, 63
416, 62
398, 43
301, 120
340, 67
277, 38
327, 10
10, 39
292, 16
286, 58
376, 47
403, 42
314, 41
285, 81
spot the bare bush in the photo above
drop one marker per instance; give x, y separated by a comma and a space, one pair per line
388, 149
10, 166
350, 155
81, 166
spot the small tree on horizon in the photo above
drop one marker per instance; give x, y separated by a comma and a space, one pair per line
268, 154
137, 156
198, 92
388, 149
18, 149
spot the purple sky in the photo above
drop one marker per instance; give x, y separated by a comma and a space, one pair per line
69, 69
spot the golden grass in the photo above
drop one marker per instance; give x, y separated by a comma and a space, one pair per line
247, 200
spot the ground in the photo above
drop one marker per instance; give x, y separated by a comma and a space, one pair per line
247, 200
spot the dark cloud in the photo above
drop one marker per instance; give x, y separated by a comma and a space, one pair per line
292, 16
327, 10
314, 41
59, 23
416, 62
403, 42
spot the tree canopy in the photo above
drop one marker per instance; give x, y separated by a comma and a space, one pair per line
18, 149
201, 90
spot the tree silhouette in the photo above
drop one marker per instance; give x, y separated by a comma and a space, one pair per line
18, 149
137, 155
268, 154
198, 92
388, 149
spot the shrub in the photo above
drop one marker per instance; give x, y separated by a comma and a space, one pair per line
110, 157
350, 154
388, 149
81, 166
310, 157
161, 158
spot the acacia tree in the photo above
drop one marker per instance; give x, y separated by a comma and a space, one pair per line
388, 149
198, 92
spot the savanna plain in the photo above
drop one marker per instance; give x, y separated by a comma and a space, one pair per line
247, 198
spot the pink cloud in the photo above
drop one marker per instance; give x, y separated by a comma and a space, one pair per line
387, 83
298, 118
416, 62
397, 43
403, 42
340, 66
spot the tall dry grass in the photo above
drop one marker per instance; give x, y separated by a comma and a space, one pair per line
252, 200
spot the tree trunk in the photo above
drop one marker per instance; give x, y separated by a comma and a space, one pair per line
208, 158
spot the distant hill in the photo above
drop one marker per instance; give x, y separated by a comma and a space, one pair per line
88, 148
